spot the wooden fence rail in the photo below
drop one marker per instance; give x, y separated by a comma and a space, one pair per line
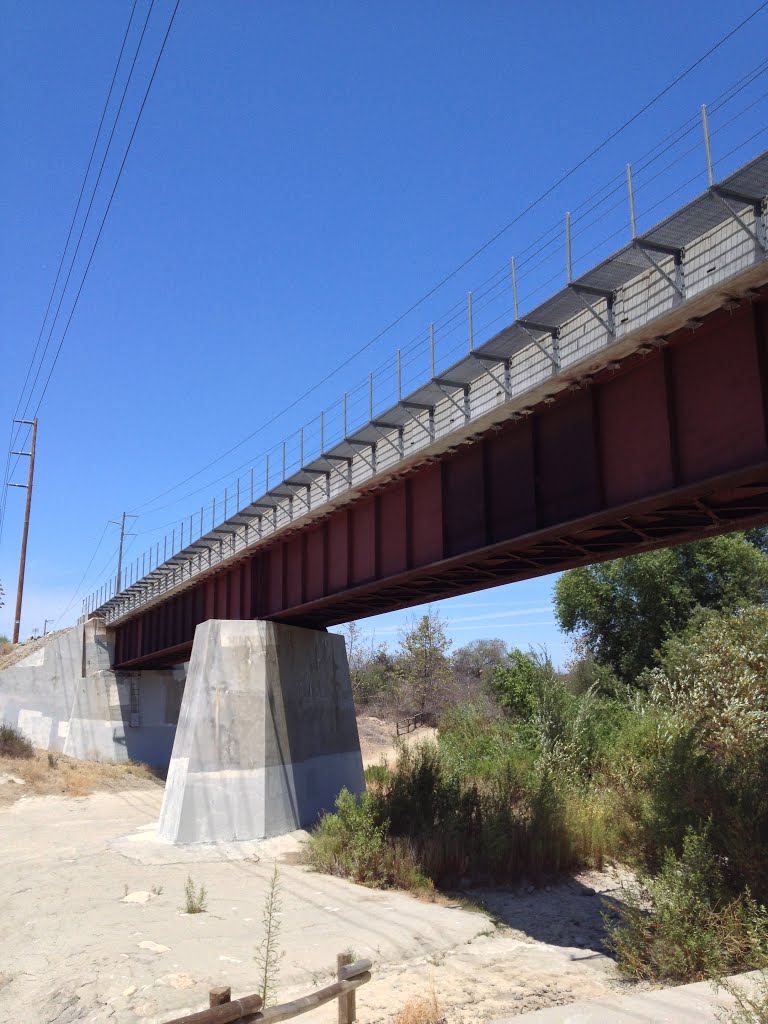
247, 1010
412, 723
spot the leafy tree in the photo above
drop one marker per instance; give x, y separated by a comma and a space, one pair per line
473, 664
422, 665
371, 667
515, 685
623, 610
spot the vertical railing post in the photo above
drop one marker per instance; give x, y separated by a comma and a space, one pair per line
631, 196
707, 145
568, 259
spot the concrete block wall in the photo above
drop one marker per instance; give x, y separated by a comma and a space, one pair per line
65, 697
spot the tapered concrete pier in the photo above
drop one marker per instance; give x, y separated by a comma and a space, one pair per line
267, 736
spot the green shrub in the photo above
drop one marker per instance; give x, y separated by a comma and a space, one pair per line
14, 743
195, 900
683, 925
355, 844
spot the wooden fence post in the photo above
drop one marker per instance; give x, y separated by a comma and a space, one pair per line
219, 996
347, 1003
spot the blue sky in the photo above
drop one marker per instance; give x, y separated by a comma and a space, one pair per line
302, 174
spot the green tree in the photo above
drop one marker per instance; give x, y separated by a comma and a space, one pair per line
622, 611
422, 664
516, 685
473, 664
370, 665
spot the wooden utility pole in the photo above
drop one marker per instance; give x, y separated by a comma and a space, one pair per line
25, 534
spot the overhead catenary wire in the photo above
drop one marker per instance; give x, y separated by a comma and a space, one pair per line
498, 279
477, 252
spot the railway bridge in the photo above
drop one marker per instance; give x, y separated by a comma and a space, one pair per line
626, 412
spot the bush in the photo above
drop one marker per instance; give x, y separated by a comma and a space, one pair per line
14, 743
355, 843
711, 688
682, 924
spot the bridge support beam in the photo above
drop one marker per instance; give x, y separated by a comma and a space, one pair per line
267, 735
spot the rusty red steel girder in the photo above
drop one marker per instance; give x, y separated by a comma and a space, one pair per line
671, 445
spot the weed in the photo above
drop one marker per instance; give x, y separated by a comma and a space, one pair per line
268, 955
683, 925
421, 1010
14, 743
157, 890
53, 760
195, 900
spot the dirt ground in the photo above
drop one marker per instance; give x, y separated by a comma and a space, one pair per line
44, 775
379, 740
92, 927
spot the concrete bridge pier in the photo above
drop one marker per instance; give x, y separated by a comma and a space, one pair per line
267, 735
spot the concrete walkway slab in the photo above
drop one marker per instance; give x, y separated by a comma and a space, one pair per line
698, 1003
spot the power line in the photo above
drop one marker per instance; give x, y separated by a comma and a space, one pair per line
109, 206
93, 196
61, 261
537, 257
486, 245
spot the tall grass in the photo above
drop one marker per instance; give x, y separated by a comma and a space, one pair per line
671, 778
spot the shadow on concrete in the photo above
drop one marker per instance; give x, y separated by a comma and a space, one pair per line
567, 912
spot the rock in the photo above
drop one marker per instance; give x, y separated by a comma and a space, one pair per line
137, 897
153, 947
177, 981
127, 992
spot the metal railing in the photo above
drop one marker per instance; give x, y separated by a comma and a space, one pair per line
718, 236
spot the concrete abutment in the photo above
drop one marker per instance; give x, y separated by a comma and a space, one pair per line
66, 698
267, 736
258, 732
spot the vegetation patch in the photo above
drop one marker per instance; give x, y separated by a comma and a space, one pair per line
683, 924
14, 743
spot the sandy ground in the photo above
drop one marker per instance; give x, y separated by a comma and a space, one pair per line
379, 741
73, 949
44, 775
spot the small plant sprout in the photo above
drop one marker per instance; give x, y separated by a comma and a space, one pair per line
268, 953
195, 900
157, 890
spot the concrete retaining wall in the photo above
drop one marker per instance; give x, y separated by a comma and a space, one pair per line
64, 697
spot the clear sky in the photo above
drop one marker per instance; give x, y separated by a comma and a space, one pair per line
302, 174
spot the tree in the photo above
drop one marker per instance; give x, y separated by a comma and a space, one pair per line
622, 611
422, 664
370, 666
473, 663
